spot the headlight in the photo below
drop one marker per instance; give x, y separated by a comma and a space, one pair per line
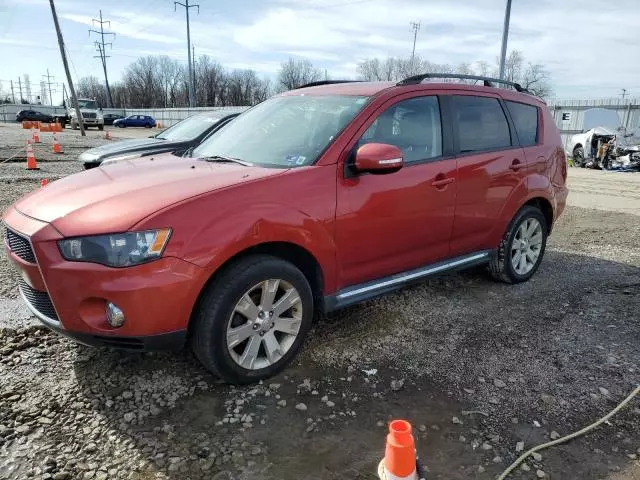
118, 249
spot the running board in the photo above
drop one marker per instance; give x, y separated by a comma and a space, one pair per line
364, 291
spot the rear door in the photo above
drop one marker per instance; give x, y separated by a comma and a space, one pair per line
527, 119
390, 223
491, 165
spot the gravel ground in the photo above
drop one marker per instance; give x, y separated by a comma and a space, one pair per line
476, 366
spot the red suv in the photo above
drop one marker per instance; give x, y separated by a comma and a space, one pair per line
313, 200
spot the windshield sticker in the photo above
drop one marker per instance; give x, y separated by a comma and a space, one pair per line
295, 159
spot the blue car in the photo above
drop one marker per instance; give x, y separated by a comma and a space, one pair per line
135, 121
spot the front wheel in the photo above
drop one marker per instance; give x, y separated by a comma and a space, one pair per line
100, 127
522, 247
252, 319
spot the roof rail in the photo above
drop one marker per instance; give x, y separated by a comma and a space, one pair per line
326, 82
488, 81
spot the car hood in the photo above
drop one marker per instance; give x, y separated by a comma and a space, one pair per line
127, 146
115, 197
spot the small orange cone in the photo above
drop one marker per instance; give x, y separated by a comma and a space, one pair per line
35, 135
31, 158
44, 182
107, 135
399, 461
57, 148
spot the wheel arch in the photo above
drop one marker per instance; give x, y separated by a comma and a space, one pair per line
290, 252
576, 146
544, 205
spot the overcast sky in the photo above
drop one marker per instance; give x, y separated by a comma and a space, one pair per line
590, 51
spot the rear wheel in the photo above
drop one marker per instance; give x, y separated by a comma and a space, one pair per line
522, 247
578, 157
252, 319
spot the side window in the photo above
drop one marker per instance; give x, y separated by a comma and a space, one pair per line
525, 119
412, 125
481, 124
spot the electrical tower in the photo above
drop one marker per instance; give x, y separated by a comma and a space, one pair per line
49, 77
415, 26
100, 45
192, 93
27, 87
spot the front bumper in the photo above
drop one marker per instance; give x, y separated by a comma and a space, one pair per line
71, 297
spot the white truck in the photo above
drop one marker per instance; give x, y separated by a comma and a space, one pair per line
91, 114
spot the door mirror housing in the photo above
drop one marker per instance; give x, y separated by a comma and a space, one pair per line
378, 158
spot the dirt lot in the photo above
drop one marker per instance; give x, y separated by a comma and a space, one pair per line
476, 366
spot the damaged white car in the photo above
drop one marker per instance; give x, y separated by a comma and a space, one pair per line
584, 146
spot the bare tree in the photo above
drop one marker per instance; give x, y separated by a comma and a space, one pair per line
294, 73
92, 87
536, 80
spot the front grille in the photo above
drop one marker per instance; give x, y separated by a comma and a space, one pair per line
20, 246
88, 115
38, 300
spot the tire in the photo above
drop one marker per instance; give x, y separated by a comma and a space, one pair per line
578, 157
218, 310
501, 265
100, 127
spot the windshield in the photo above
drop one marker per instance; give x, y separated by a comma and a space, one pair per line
88, 104
284, 131
189, 128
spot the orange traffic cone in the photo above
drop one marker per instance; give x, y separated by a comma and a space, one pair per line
57, 148
107, 135
399, 461
31, 158
35, 135
44, 182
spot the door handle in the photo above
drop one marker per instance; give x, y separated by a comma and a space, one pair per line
516, 165
442, 182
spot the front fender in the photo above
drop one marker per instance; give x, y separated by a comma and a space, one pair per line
296, 207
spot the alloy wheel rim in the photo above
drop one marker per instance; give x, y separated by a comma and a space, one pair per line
264, 324
526, 246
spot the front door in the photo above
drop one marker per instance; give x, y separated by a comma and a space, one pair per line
390, 223
491, 165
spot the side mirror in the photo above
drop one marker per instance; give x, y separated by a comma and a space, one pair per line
378, 158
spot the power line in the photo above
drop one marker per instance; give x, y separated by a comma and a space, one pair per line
416, 27
192, 99
101, 49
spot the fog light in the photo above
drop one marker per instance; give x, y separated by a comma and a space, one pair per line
115, 316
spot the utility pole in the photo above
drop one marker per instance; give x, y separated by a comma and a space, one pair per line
624, 93
415, 26
193, 56
64, 95
101, 49
74, 99
49, 77
13, 95
192, 99
505, 37
20, 87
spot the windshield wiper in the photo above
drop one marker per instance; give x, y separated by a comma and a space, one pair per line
223, 158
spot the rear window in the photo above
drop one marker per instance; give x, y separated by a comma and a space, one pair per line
525, 118
481, 123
